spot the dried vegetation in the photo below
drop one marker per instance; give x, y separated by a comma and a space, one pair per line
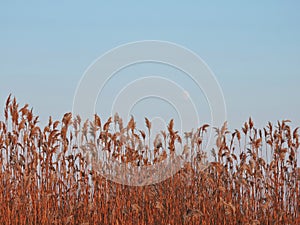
46, 176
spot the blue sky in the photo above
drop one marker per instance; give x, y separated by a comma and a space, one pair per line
253, 48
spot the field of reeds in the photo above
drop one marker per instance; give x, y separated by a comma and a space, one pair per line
47, 177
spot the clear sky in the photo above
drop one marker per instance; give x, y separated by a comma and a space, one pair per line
253, 48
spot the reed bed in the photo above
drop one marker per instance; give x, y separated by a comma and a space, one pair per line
47, 175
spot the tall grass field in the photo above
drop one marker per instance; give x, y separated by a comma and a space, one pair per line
47, 174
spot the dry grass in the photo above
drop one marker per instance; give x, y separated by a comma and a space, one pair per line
46, 179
